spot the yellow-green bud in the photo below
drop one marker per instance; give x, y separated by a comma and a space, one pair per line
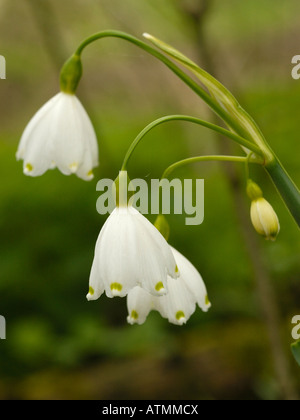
253, 190
162, 226
264, 218
70, 74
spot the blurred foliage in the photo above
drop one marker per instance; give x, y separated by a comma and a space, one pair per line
60, 346
296, 351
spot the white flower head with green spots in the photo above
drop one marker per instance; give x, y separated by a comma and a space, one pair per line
59, 135
130, 252
180, 301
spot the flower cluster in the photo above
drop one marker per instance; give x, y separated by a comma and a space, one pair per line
133, 259
132, 256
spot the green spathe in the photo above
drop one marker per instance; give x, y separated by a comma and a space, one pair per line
253, 190
70, 74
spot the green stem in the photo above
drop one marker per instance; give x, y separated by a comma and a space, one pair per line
194, 159
286, 188
283, 182
247, 165
171, 65
223, 131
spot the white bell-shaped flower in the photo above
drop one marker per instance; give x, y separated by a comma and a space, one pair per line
180, 301
130, 252
59, 135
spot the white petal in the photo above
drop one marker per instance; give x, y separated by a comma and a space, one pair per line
38, 119
160, 245
96, 286
116, 250
85, 169
89, 135
180, 301
192, 280
77, 147
69, 144
139, 304
129, 253
36, 148
155, 256
178, 305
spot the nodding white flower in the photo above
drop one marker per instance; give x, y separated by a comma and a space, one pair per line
59, 135
180, 302
264, 218
129, 252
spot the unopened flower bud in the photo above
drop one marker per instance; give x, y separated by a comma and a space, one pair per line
264, 218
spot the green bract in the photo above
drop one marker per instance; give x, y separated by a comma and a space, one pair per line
70, 74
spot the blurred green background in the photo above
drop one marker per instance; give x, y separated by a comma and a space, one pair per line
59, 346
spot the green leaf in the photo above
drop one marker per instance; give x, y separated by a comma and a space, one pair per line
215, 88
222, 96
296, 351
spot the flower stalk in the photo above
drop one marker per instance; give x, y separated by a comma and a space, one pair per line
222, 158
215, 106
223, 103
241, 141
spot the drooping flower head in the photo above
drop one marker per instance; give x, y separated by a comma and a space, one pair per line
180, 301
60, 134
130, 252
